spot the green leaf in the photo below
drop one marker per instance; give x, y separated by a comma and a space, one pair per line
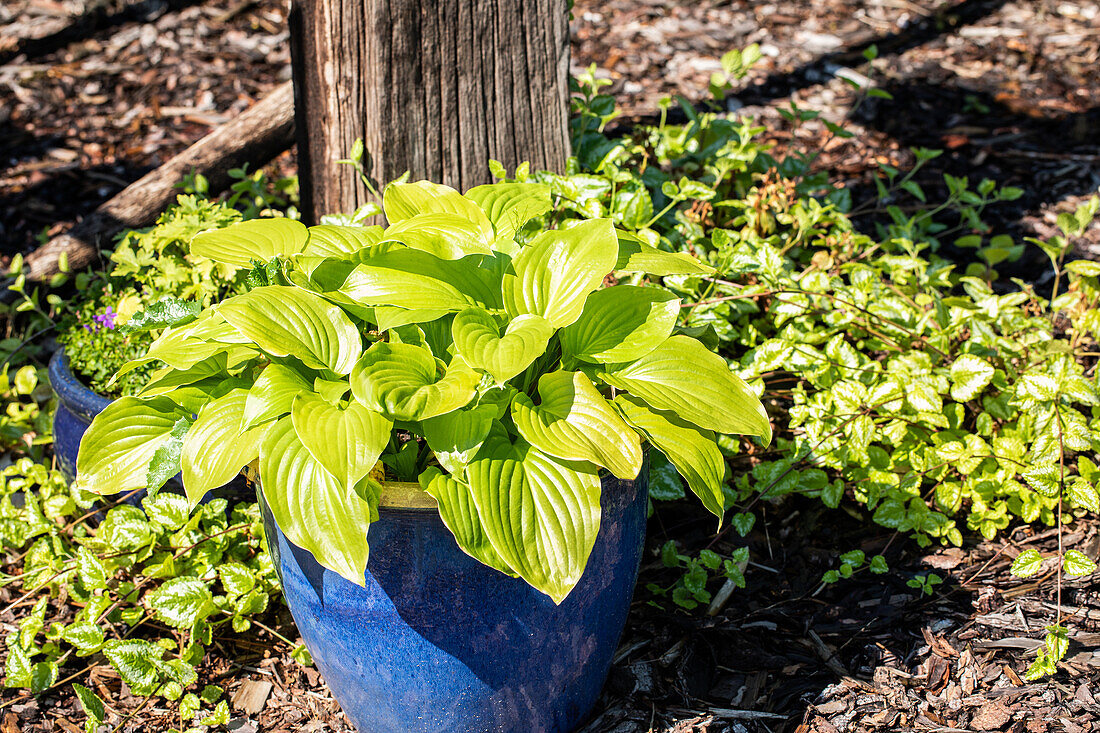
272, 394
136, 662
969, 376
403, 201
540, 515
478, 338
165, 462
559, 268
181, 602
1077, 564
1026, 564
665, 483
163, 313
1083, 494
416, 280
166, 380
447, 236
1084, 268
289, 321
693, 451
695, 384
217, 447
90, 703
404, 382
90, 570
118, 446
85, 636
168, 510
330, 240
313, 509
255, 240
457, 510
43, 675
347, 442
509, 206
574, 422
621, 324
456, 436
634, 255
1046, 479
236, 578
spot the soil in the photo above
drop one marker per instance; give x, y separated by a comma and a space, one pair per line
94, 93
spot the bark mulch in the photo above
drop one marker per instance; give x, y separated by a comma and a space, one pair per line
94, 93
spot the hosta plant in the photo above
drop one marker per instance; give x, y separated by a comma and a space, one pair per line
464, 347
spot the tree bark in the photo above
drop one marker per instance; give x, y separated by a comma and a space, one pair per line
434, 87
255, 137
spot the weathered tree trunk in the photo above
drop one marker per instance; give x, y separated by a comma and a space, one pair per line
435, 87
255, 137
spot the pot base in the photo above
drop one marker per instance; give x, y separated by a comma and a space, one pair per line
439, 642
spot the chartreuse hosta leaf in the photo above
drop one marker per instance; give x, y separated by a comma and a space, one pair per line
167, 379
636, 256
182, 347
621, 323
447, 236
217, 447
313, 509
478, 338
693, 451
386, 318
558, 269
405, 382
272, 394
288, 321
456, 436
402, 201
119, 444
541, 515
346, 441
330, 240
410, 278
573, 421
682, 376
509, 206
457, 510
255, 240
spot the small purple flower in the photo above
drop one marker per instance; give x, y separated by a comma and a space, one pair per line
106, 319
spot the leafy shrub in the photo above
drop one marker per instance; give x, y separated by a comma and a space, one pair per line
193, 573
483, 358
148, 266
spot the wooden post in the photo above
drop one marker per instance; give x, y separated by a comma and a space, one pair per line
435, 87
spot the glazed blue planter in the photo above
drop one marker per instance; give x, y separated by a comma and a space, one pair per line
76, 406
437, 642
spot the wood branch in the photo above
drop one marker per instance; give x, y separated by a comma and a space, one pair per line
255, 137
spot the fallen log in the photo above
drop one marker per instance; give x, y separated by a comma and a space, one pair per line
256, 136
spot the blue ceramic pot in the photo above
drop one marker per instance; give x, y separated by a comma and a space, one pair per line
439, 643
76, 406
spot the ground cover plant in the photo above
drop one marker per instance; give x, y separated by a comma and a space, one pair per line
937, 399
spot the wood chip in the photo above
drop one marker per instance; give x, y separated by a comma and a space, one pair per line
252, 696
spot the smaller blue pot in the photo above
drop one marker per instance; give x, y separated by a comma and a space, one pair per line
439, 643
77, 406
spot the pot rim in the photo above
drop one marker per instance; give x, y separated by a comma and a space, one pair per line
71, 392
395, 494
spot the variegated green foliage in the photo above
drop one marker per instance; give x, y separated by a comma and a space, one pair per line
494, 345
